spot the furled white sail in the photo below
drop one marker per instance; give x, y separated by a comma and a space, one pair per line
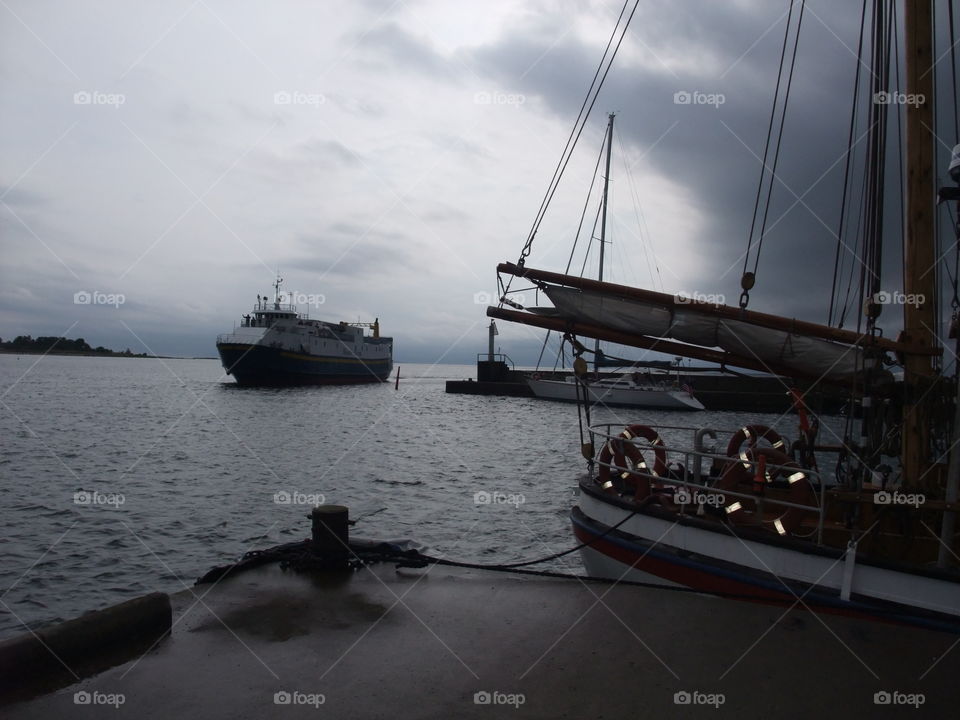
825, 358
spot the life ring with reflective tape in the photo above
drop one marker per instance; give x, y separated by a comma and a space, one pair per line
752, 434
650, 435
755, 470
612, 463
617, 451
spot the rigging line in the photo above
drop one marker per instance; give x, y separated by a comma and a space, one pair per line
543, 348
646, 243
872, 219
766, 149
881, 175
589, 110
570, 138
951, 277
776, 153
901, 149
586, 203
580, 122
593, 236
865, 228
846, 173
853, 263
576, 240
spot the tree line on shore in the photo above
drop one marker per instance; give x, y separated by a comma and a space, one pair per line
45, 344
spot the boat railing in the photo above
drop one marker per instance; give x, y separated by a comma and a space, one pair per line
235, 337
693, 480
269, 306
495, 357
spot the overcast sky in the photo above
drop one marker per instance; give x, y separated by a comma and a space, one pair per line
387, 155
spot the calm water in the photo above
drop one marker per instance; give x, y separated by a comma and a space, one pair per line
122, 476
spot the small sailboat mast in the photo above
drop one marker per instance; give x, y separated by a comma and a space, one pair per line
603, 230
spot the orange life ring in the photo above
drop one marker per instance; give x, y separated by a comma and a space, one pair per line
752, 434
739, 472
615, 453
613, 461
650, 435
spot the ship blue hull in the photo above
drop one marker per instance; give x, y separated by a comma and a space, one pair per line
256, 365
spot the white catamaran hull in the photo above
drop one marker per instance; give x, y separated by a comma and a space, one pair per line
612, 395
646, 547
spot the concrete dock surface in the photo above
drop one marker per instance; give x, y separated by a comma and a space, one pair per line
441, 642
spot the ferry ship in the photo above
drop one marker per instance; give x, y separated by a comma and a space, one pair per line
277, 345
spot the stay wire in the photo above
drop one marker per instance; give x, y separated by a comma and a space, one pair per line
766, 149
579, 125
776, 154
586, 204
834, 288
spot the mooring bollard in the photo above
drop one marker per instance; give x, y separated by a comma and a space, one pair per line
331, 534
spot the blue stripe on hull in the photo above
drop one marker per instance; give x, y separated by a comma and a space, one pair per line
264, 366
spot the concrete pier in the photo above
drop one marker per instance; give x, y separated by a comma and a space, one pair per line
446, 643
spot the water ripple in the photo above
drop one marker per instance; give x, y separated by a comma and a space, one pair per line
119, 483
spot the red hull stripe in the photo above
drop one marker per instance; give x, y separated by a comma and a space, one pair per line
709, 578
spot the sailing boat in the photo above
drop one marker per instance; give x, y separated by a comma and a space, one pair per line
635, 390
745, 510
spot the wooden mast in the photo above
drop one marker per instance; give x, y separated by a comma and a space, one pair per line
919, 259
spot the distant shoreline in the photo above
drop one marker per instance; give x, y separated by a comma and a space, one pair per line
67, 353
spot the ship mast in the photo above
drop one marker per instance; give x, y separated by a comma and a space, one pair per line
919, 257
276, 291
603, 230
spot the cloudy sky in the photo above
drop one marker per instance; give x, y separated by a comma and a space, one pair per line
387, 155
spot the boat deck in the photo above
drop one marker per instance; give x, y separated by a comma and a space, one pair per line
387, 643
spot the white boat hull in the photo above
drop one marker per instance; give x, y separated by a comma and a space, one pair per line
665, 399
652, 548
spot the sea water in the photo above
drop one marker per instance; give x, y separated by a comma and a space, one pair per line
121, 476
